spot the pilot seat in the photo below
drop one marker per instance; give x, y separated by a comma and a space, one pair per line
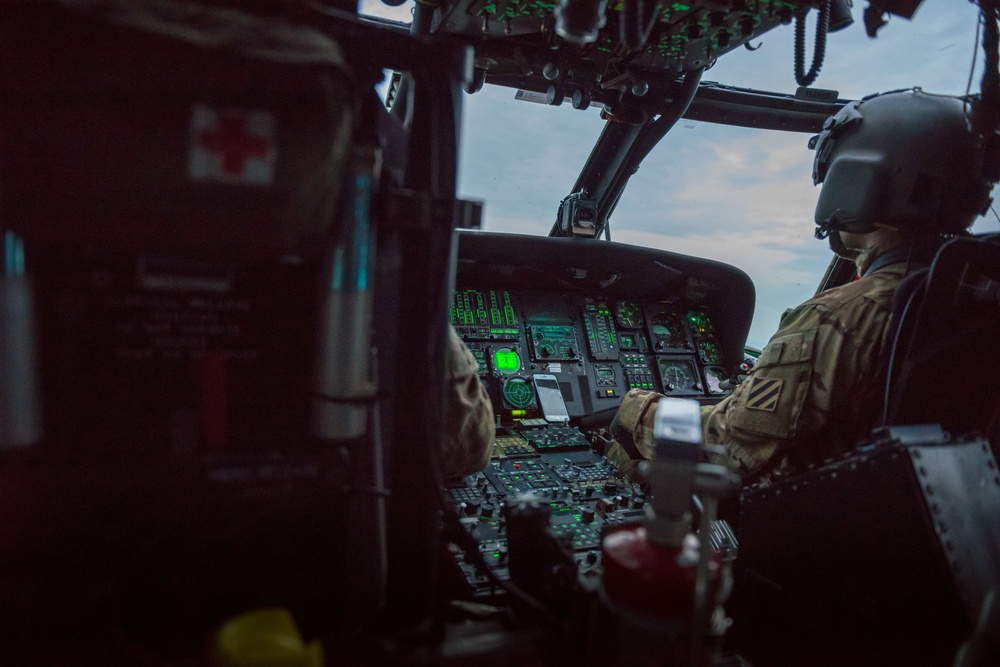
886, 555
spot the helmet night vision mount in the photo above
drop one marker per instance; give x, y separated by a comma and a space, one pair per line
905, 159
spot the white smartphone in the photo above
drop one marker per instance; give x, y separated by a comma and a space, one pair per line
550, 398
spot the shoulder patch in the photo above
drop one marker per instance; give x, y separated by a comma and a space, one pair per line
763, 394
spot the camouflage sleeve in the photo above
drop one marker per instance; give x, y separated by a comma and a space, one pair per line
632, 429
469, 427
804, 375
801, 403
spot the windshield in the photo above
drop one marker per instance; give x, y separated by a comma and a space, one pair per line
737, 195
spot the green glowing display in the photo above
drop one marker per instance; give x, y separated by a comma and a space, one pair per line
506, 361
518, 393
700, 322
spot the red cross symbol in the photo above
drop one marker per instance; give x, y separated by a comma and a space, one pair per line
233, 146
233, 142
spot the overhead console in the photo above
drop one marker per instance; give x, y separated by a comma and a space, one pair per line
682, 35
592, 320
625, 55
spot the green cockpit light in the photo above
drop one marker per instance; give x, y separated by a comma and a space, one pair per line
506, 361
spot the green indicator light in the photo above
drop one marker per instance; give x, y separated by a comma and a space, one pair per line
680, 7
496, 554
506, 361
553, 504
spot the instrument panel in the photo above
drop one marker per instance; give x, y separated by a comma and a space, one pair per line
598, 348
584, 322
522, 320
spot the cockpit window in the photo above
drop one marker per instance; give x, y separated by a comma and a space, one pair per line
733, 194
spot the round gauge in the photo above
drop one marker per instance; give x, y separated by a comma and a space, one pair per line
709, 352
667, 328
628, 315
701, 324
545, 350
518, 393
507, 361
676, 375
713, 379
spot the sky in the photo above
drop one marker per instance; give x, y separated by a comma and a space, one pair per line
737, 195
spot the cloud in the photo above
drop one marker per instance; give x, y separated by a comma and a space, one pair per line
736, 195
523, 156
783, 277
906, 53
728, 179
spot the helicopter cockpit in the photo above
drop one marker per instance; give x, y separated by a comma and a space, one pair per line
235, 234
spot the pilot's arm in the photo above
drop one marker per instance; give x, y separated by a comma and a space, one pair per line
797, 406
469, 427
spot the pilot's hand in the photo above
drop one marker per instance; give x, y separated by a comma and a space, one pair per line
743, 372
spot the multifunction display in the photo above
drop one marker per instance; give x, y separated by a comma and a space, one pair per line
594, 350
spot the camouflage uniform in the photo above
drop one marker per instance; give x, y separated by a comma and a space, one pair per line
815, 391
469, 428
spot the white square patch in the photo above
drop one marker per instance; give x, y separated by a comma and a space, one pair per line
232, 146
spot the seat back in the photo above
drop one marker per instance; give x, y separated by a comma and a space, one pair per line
946, 359
881, 557
886, 554
174, 171
164, 126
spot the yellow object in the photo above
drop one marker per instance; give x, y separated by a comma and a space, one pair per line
265, 638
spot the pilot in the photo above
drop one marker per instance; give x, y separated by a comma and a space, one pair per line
901, 173
469, 426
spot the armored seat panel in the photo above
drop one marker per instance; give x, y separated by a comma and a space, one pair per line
892, 546
169, 126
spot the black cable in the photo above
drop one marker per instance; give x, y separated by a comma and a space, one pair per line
916, 292
975, 51
464, 541
635, 26
986, 120
895, 347
819, 52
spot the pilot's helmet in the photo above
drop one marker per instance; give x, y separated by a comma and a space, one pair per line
905, 159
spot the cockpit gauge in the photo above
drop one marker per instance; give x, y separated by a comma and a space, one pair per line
518, 393
701, 324
708, 352
553, 342
632, 341
714, 377
506, 361
667, 330
679, 377
628, 315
